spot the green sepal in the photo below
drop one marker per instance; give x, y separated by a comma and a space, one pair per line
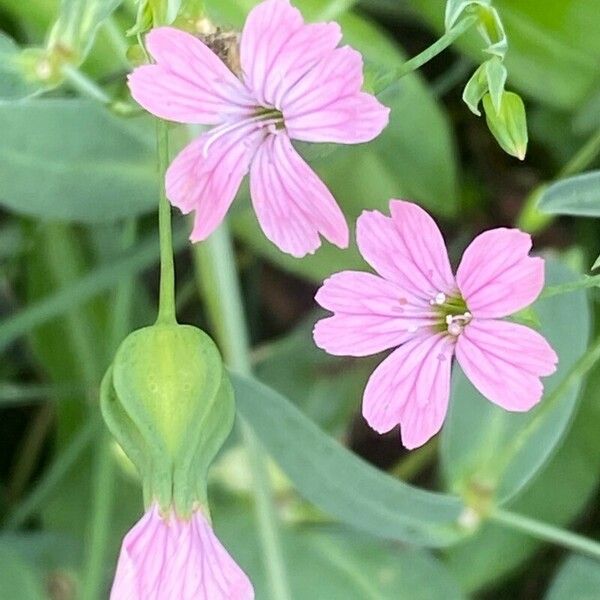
490, 77
509, 124
169, 403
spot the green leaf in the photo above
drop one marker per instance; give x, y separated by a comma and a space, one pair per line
20, 581
334, 563
327, 389
577, 579
578, 195
478, 437
339, 482
72, 160
554, 47
95, 282
559, 492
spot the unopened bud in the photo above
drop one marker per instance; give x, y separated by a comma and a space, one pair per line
169, 403
508, 124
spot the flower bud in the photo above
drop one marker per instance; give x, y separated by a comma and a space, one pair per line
508, 124
168, 401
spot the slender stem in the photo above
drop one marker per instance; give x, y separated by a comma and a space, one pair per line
88, 88
84, 85
104, 468
217, 277
549, 533
166, 305
432, 51
571, 286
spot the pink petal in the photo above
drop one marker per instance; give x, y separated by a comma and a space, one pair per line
505, 361
407, 248
411, 387
189, 83
371, 315
278, 49
292, 204
496, 276
173, 559
327, 104
207, 174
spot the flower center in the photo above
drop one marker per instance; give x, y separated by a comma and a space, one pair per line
452, 312
270, 118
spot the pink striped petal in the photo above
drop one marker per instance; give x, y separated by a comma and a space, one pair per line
328, 106
411, 387
505, 361
205, 177
371, 315
189, 83
496, 276
173, 559
407, 248
292, 204
278, 49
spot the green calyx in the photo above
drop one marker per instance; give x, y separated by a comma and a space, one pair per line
169, 403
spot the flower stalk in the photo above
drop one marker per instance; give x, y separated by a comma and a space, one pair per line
546, 532
166, 306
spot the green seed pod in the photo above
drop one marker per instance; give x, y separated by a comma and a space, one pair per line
168, 401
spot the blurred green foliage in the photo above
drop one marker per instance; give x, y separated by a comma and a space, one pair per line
75, 175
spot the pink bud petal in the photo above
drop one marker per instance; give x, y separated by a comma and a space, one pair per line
171, 559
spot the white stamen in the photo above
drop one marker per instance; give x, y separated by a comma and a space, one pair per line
263, 120
456, 323
440, 298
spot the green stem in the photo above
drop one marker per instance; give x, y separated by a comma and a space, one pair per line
88, 88
431, 52
84, 85
217, 277
166, 304
104, 468
571, 286
548, 533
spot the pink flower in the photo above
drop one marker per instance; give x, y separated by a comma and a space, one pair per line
417, 304
166, 558
295, 84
